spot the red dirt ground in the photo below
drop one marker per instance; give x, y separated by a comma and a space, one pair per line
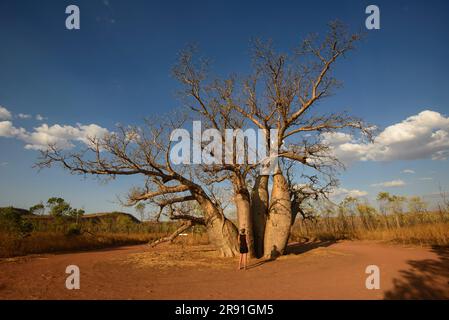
323, 270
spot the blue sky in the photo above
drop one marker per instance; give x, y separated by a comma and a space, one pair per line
116, 68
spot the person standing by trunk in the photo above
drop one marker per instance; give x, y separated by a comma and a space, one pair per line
243, 249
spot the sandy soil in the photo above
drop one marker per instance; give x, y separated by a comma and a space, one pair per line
323, 270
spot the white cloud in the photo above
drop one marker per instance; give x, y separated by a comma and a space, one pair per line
425, 178
408, 171
62, 136
342, 192
336, 138
425, 135
9, 131
389, 184
24, 116
5, 114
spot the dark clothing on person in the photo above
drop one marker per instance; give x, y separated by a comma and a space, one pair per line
243, 244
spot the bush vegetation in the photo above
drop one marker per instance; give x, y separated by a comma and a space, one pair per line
57, 227
355, 219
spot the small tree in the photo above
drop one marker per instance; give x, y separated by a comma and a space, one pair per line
350, 204
140, 208
383, 198
397, 204
61, 208
417, 204
11, 221
124, 223
367, 214
38, 209
394, 203
58, 207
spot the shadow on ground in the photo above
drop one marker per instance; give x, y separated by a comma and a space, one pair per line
425, 279
299, 248
294, 248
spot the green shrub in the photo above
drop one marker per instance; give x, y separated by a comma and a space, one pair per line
73, 230
11, 221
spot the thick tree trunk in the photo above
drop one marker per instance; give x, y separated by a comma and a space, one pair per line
243, 207
221, 231
259, 212
277, 230
223, 235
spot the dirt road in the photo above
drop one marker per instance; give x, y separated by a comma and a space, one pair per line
324, 270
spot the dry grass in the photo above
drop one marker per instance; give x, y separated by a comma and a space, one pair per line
427, 234
47, 242
431, 228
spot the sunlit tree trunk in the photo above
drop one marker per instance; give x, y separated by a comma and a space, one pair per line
277, 230
221, 231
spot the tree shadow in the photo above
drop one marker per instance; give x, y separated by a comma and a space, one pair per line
425, 279
293, 248
299, 248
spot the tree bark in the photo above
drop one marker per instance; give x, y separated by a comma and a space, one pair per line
223, 235
221, 231
184, 226
259, 212
277, 230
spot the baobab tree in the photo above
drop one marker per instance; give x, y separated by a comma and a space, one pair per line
280, 94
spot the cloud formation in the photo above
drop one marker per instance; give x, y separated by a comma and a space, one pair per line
61, 136
5, 114
342, 192
422, 136
24, 116
408, 171
8, 130
389, 184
